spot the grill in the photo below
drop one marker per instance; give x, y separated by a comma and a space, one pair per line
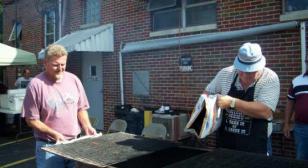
128, 150
109, 149
222, 158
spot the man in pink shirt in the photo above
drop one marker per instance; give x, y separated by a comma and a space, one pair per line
55, 106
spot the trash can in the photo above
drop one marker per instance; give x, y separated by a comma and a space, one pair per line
122, 110
134, 122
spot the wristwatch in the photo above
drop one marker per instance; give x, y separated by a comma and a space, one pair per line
232, 104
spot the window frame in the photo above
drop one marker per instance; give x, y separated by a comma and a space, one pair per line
45, 27
294, 15
184, 28
86, 21
162, 7
13, 32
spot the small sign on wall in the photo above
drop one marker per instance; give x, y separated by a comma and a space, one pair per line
186, 63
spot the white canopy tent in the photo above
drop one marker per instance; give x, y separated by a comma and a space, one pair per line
14, 56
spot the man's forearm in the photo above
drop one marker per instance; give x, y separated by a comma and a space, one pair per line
253, 109
288, 111
84, 120
41, 127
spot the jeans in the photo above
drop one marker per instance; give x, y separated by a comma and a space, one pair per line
269, 146
48, 160
301, 141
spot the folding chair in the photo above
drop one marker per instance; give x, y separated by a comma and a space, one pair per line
155, 130
117, 125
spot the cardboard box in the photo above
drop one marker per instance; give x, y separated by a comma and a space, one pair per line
175, 125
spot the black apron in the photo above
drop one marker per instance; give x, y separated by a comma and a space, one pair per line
241, 132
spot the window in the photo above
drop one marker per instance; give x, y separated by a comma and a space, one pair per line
50, 28
91, 11
295, 5
294, 10
16, 29
172, 14
167, 19
93, 71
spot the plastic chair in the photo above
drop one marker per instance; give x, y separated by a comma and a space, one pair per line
155, 130
117, 125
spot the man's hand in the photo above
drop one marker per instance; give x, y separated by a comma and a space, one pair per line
58, 136
90, 131
286, 130
224, 101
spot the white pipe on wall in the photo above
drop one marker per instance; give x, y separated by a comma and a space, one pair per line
303, 45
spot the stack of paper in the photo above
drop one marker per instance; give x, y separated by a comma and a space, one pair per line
206, 117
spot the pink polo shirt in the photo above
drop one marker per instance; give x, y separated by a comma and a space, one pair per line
55, 104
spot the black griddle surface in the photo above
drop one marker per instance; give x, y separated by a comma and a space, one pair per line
224, 158
109, 149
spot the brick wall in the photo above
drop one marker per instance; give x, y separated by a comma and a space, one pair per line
131, 23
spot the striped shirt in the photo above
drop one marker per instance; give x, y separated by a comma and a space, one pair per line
267, 89
298, 92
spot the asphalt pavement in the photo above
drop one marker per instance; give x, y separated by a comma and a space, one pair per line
17, 152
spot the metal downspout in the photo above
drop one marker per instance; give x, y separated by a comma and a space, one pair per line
303, 45
121, 76
60, 18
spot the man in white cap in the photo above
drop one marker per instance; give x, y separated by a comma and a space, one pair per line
248, 93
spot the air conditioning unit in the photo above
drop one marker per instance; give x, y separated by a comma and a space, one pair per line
174, 124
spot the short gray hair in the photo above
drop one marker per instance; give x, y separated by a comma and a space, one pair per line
55, 50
